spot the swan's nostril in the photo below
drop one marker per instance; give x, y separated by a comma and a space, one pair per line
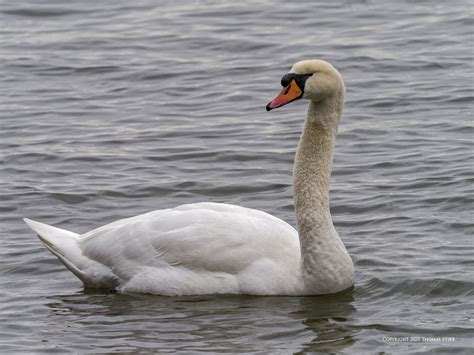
289, 93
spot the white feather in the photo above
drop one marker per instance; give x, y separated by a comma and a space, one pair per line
207, 247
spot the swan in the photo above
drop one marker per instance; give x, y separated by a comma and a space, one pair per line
215, 248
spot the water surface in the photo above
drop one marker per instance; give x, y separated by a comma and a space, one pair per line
110, 110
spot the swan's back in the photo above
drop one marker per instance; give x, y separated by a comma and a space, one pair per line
196, 249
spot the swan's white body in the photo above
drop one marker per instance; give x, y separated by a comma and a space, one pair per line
191, 249
205, 248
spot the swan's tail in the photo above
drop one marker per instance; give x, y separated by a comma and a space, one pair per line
60, 242
65, 245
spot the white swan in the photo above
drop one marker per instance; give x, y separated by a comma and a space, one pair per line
205, 248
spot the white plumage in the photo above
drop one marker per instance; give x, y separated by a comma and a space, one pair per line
191, 249
205, 248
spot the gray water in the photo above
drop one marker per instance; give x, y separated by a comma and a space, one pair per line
112, 109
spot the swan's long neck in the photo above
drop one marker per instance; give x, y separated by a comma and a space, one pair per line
313, 164
321, 247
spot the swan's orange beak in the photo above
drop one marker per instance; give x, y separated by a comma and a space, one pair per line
289, 93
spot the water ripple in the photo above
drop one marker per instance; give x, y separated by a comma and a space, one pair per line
111, 110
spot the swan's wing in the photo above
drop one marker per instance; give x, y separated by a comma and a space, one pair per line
202, 238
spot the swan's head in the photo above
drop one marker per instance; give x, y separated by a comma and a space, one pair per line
314, 80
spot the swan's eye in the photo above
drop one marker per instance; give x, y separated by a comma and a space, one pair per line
300, 79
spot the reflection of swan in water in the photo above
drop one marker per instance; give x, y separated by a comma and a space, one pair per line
204, 323
205, 248
327, 317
